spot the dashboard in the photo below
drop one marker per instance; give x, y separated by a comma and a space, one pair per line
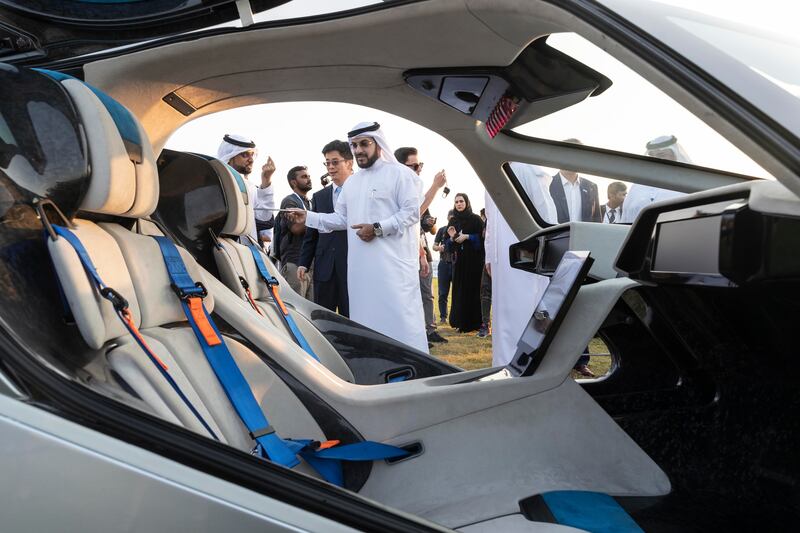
713, 240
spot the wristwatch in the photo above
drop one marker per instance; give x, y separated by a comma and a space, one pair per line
378, 229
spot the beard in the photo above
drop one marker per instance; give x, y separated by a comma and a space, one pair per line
242, 169
370, 160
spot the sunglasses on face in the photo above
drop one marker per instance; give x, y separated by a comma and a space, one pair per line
364, 143
416, 167
248, 155
332, 162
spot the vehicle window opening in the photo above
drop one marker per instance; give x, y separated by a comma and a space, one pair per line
632, 113
548, 195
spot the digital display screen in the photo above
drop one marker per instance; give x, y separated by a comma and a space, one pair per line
553, 250
688, 246
548, 313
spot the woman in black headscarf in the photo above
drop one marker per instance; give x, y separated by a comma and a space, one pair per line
465, 232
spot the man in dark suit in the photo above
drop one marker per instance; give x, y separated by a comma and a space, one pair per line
575, 198
328, 251
611, 213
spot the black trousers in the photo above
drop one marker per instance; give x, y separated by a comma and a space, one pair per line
445, 276
332, 294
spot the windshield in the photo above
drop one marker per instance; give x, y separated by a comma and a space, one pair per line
749, 46
770, 56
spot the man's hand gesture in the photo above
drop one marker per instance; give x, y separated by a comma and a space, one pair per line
266, 173
440, 179
366, 232
296, 215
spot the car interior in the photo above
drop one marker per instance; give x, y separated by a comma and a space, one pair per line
691, 430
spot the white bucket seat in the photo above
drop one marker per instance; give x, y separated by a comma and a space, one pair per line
124, 183
235, 263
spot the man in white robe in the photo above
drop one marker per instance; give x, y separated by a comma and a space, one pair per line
379, 208
640, 196
515, 293
240, 152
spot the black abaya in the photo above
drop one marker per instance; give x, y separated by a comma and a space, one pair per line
465, 310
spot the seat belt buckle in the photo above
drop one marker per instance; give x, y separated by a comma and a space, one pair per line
199, 290
117, 300
263, 432
272, 281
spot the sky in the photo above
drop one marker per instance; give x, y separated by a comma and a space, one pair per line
625, 117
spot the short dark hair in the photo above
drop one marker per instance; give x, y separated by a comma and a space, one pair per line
338, 146
294, 170
616, 186
402, 154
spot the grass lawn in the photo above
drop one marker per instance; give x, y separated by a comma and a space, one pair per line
467, 351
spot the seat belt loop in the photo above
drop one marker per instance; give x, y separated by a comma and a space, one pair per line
246, 288
199, 315
276, 295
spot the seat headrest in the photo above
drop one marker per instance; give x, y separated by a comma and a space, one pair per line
193, 203
240, 218
124, 179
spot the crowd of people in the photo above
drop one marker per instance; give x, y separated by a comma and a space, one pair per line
360, 245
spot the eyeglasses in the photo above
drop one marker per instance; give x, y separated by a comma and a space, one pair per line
332, 162
249, 154
364, 143
416, 167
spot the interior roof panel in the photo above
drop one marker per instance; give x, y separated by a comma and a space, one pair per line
294, 64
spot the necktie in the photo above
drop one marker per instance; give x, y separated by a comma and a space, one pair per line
612, 215
336, 191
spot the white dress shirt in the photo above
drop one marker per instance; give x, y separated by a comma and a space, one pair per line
262, 200
572, 192
617, 215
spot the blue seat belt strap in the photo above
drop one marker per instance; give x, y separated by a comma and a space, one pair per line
121, 307
272, 286
325, 458
590, 511
221, 361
